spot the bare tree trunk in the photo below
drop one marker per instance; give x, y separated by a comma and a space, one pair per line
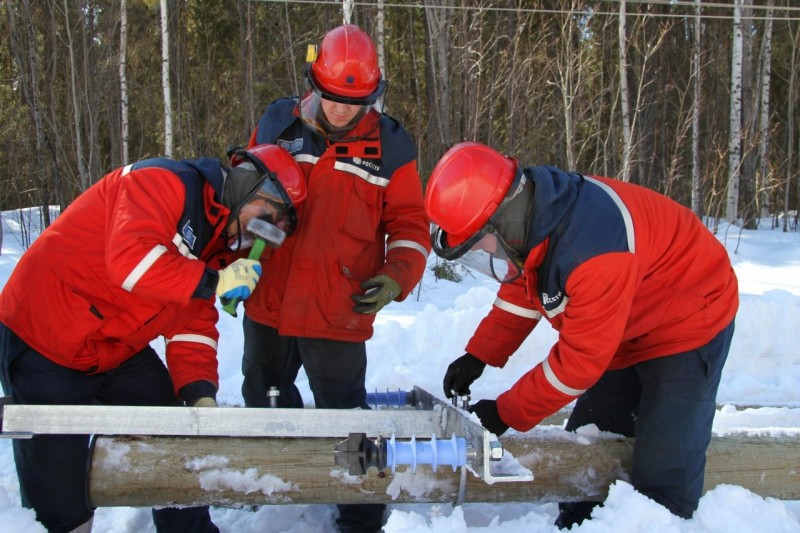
380, 43
289, 44
438, 24
248, 54
697, 184
627, 134
123, 76
76, 104
735, 136
165, 84
347, 11
790, 110
747, 175
765, 66
568, 69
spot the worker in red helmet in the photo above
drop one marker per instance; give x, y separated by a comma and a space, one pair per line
642, 295
139, 255
362, 244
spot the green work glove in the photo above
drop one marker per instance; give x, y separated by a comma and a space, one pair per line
238, 280
380, 290
205, 401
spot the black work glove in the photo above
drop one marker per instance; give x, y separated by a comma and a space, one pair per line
461, 373
380, 290
490, 418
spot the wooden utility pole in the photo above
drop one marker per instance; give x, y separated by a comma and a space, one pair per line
148, 471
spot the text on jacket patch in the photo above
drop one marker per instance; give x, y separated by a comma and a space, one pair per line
551, 299
364, 162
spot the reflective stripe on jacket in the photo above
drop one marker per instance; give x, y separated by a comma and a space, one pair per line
363, 217
623, 274
118, 268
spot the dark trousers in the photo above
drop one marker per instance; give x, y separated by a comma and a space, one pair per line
53, 469
336, 373
668, 404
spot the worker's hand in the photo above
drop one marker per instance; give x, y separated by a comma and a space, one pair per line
238, 280
205, 402
380, 290
490, 418
461, 373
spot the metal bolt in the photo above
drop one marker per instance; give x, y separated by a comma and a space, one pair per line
495, 450
273, 394
465, 402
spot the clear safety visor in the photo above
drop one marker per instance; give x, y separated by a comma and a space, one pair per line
268, 201
274, 214
485, 252
314, 118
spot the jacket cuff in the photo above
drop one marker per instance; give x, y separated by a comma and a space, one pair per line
208, 284
195, 390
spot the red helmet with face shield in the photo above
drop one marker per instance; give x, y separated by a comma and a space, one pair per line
466, 187
468, 194
346, 67
266, 171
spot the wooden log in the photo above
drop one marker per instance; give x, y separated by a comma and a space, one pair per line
225, 471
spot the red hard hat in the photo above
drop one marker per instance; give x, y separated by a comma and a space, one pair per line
274, 176
466, 187
346, 67
282, 164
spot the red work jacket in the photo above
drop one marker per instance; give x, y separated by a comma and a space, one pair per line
363, 216
624, 275
119, 268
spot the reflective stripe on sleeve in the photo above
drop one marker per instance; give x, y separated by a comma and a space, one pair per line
551, 378
177, 240
560, 309
143, 266
190, 337
408, 244
306, 158
517, 310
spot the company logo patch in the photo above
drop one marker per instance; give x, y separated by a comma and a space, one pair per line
365, 163
291, 146
188, 234
546, 299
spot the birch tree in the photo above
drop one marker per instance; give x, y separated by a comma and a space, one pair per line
347, 11
697, 188
380, 43
791, 102
437, 21
165, 83
123, 77
735, 130
765, 67
76, 107
568, 73
627, 134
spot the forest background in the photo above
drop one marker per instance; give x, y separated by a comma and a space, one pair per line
697, 100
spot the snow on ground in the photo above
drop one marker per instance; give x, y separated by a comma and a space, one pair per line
414, 342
